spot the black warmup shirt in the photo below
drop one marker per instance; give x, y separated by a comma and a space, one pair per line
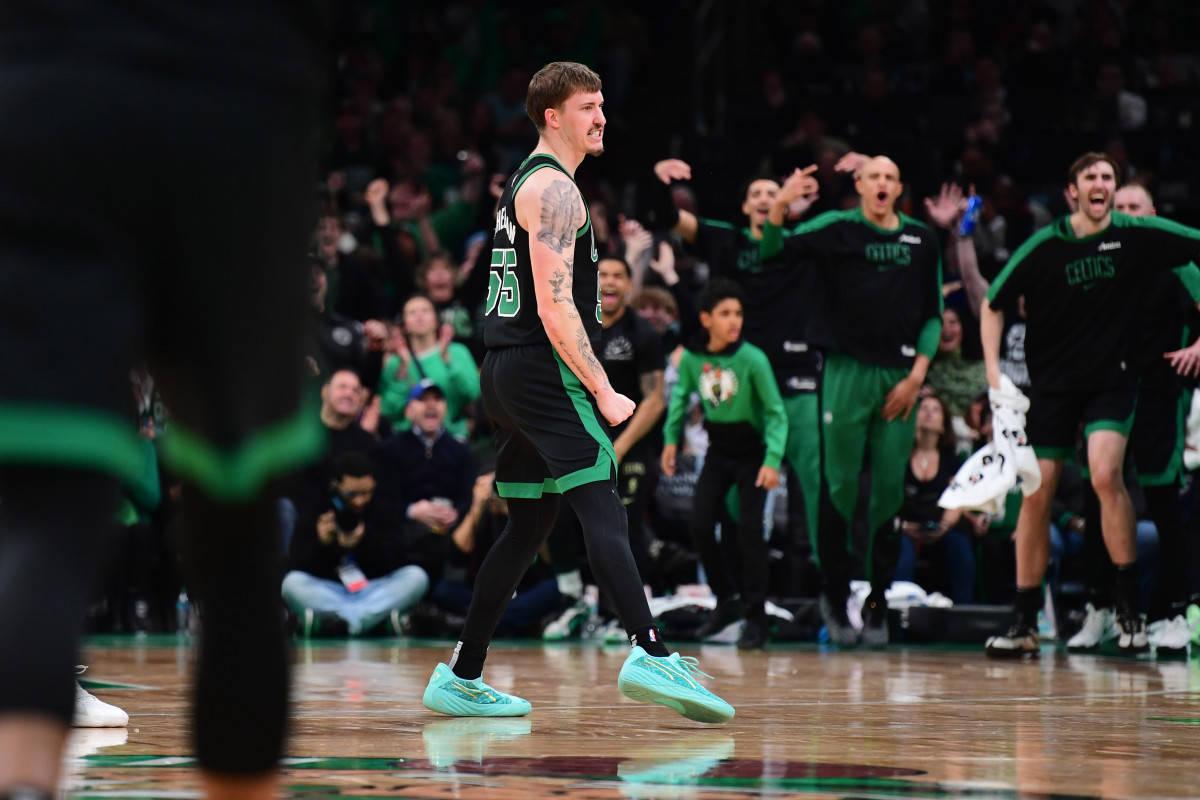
877, 292
511, 313
629, 349
777, 301
1083, 296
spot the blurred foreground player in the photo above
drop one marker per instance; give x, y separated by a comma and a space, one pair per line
155, 195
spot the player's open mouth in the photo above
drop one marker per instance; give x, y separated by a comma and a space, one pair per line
881, 197
597, 135
1098, 200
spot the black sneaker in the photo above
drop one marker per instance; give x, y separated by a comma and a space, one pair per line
725, 614
1132, 638
875, 622
1020, 641
755, 634
837, 623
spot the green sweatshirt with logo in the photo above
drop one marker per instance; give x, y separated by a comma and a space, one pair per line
743, 411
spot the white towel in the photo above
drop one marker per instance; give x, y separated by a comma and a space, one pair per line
985, 479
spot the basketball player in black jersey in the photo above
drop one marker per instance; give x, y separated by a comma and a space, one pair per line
547, 392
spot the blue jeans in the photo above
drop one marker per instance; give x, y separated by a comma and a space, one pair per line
954, 555
364, 609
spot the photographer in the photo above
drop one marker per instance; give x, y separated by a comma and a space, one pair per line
349, 569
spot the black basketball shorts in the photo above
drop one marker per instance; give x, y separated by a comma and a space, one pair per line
1052, 423
549, 437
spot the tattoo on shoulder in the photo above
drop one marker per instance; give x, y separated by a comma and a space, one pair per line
562, 210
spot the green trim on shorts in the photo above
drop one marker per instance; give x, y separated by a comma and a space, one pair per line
1117, 426
1054, 453
74, 437
602, 469
528, 491
236, 474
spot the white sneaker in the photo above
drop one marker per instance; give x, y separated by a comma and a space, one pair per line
569, 624
1099, 626
92, 712
1172, 635
612, 633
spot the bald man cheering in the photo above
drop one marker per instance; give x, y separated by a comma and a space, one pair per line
877, 318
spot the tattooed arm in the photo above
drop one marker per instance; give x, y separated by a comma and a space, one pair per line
551, 209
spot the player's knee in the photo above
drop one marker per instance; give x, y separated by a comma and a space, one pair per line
1108, 481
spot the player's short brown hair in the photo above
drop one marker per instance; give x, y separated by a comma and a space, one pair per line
1088, 159
553, 84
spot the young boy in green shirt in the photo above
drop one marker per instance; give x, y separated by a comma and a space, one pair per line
747, 431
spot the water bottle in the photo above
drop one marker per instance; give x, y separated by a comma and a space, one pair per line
183, 612
971, 216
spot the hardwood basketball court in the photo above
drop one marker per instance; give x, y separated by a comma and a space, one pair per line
811, 722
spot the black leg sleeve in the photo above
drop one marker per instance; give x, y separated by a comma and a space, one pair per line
232, 563
606, 537
529, 524
50, 523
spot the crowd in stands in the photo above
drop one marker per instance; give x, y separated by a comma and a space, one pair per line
427, 119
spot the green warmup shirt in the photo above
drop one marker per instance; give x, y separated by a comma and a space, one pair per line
878, 292
742, 406
777, 301
1083, 296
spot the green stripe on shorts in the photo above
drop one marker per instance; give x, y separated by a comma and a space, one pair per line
527, 491
607, 456
237, 474
75, 437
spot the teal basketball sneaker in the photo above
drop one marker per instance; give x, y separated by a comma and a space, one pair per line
671, 682
449, 694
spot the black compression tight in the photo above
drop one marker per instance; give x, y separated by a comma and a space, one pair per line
605, 535
231, 563
529, 524
50, 523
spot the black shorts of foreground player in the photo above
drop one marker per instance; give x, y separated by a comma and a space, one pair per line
550, 398
1084, 280
157, 209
